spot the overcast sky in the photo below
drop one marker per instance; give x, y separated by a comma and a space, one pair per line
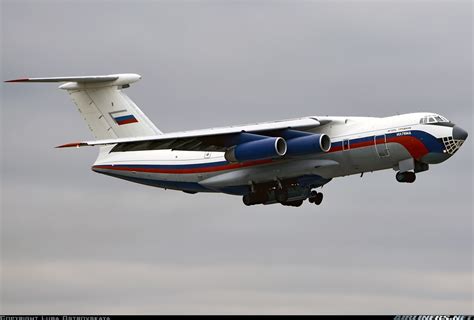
78, 242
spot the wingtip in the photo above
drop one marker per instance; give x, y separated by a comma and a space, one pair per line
72, 145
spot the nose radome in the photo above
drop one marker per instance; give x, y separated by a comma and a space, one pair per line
459, 133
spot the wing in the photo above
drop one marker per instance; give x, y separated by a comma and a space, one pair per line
216, 139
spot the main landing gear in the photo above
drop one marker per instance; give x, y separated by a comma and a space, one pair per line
282, 196
287, 194
408, 177
315, 197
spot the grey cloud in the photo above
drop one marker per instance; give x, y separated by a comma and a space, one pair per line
246, 287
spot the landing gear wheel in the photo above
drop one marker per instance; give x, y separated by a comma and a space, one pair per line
295, 203
318, 199
281, 195
400, 177
315, 197
408, 177
246, 199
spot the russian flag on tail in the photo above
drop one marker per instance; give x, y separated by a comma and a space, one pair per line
123, 117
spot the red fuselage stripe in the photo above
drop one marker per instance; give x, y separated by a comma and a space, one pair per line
415, 147
187, 170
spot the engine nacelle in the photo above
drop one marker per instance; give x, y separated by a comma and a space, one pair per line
265, 148
312, 143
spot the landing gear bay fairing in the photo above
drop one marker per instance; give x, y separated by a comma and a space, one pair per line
265, 163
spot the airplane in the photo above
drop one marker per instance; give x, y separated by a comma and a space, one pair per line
272, 162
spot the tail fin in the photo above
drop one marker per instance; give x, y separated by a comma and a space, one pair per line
107, 110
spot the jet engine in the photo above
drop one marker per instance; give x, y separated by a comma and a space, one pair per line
266, 148
307, 144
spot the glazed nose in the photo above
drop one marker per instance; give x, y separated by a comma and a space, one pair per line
459, 133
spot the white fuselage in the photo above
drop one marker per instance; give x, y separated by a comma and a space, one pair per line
358, 144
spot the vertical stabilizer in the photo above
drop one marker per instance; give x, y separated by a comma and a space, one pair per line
107, 110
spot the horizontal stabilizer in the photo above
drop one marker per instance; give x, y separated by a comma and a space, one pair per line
76, 82
89, 79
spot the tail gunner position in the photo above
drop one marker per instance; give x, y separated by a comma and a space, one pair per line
271, 162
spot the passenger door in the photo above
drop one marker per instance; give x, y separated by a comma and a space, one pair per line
381, 148
345, 145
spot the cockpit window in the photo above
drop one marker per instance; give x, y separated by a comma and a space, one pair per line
441, 119
433, 119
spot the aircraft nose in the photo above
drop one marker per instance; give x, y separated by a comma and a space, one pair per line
459, 133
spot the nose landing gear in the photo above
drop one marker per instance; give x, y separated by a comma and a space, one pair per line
315, 197
408, 177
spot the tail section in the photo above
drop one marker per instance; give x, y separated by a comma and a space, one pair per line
107, 110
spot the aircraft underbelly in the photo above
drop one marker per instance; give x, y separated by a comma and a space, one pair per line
366, 159
216, 181
282, 171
